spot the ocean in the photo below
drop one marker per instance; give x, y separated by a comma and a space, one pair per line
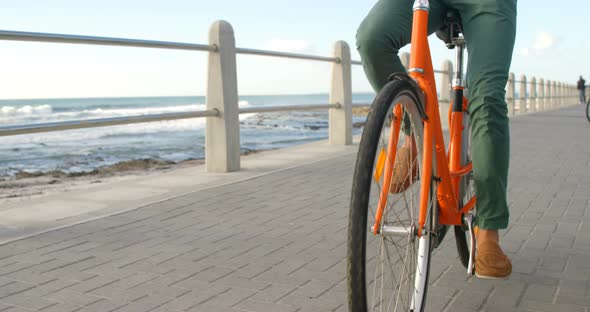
84, 150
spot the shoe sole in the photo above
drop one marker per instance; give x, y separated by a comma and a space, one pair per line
492, 277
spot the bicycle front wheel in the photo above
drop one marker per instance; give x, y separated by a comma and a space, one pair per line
588, 110
388, 271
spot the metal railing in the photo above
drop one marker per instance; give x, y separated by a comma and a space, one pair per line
103, 41
100, 122
537, 94
222, 130
110, 41
222, 133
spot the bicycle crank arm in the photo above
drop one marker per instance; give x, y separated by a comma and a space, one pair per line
469, 219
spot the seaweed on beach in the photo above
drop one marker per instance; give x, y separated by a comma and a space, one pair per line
120, 167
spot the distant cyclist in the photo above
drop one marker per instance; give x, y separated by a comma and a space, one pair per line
582, 88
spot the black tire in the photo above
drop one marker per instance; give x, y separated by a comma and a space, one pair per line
462, 248
361, 243
465, 193
588, 110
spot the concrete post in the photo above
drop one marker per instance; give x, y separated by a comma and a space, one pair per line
554, 94
541, 95
562, 93
405, 58
222, 137
574, 95
548, 95
559, 95
340, 119
445, 93
522, 95
533, 95
510, 94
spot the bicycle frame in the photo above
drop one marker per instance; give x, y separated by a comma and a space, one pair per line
448, 167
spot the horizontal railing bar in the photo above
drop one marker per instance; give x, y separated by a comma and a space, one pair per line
287, 55
267, 109
61, 38
100, 122
111, 41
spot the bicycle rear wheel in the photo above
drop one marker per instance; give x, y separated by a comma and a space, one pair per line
387, 272
466, 192
588, 110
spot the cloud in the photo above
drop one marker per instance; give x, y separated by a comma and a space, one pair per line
523, 52
545, 41
542, 43
294, 46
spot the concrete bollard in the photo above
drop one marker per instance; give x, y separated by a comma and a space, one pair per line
541, 95
553, 94
548, 95
510, 94
522, 95
562, 92
559, 95
445, 93
533, 95
340, 119
222, 137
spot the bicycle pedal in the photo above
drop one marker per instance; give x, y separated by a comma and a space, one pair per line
470, 220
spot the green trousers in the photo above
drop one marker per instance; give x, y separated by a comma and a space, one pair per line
489, 30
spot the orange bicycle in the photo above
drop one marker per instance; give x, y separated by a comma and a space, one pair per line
392, 232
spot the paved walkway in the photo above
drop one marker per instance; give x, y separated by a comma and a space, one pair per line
276, 242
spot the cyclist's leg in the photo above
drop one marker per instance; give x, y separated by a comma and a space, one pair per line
489, 29
385, 30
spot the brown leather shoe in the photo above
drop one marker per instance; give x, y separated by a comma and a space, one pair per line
405, 162
491, 262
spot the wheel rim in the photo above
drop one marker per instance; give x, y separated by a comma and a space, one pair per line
396, 266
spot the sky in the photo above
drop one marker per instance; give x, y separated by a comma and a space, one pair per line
553, 42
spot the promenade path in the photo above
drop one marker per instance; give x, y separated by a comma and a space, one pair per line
274, 238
